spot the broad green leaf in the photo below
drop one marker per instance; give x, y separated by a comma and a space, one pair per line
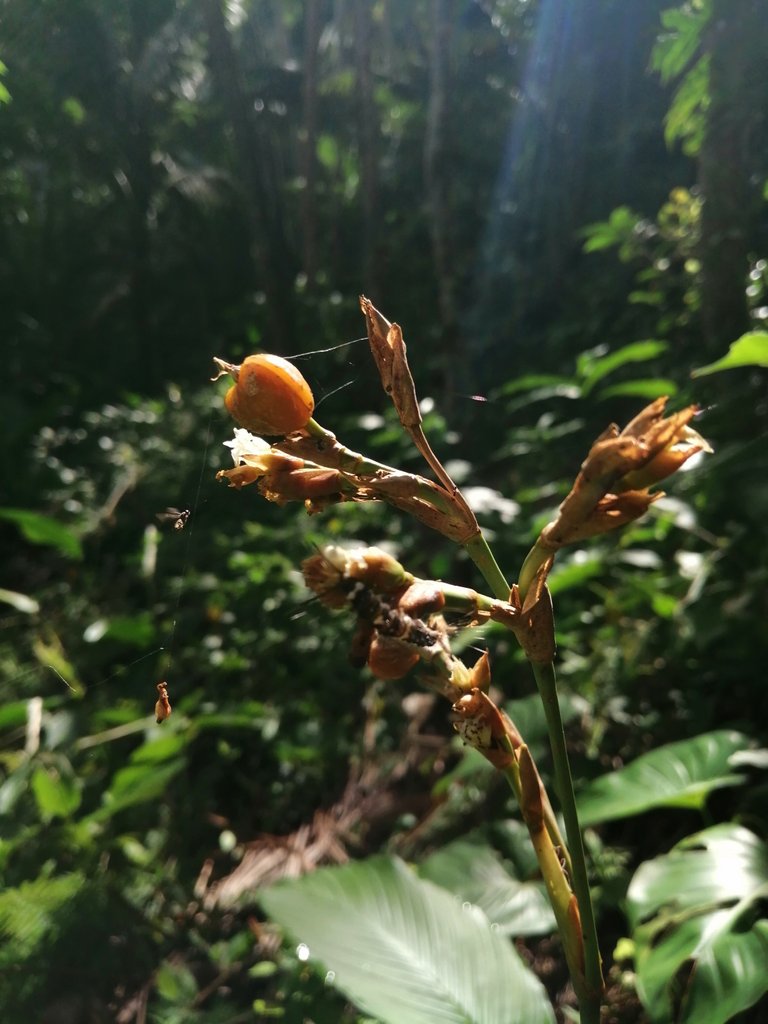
28, 912
404, 950
15, 787
637, 352
614, 231
164, 748
470, 769
664, 605
685, 118
678, 43
573, 573
750, 350
327, 151
676, 775
5, 96
51, 655
73, 109
139, 630
475, 873
176, 983
528, 714
40, 529
533, 382
701, 941
138, 784
57, 793
650, 388
13, 714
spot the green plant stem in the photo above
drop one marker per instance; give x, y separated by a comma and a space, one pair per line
353, 462
533, 560
478, 550
547, 684
555, 879
480, 553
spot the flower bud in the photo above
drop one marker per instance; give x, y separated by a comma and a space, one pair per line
389, 658
377, 569
269, 396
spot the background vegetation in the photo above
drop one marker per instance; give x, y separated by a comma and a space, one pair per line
564, 206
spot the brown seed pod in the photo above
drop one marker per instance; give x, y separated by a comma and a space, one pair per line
163, 705
389, 658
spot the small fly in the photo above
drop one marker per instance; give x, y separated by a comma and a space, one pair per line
177, 516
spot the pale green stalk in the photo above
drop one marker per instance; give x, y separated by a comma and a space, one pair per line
547, 685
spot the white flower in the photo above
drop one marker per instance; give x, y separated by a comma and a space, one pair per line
246, 448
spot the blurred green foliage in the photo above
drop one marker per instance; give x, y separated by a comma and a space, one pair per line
164, 200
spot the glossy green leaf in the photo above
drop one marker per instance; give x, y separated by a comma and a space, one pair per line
677, 45
28, 912
686, 118
750, 350
40, 529
614, 231
573, 573
175, 982
702, 943
676, 775
405, 950
534, 382
139, 630
164, 748
528, 714
13, 714
57, 793
5, 96
138, 784
650, 388
14, 788
475, 873
638, 352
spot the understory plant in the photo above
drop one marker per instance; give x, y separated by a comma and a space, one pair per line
402, 622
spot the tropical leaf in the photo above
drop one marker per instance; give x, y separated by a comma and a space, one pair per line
678, 44
702, 944
27, 912
475, 873
138, 784
614, 231
406, 951
57, 791
751, 349
594, 370
676, 775
650, 388
686, 118
40, 529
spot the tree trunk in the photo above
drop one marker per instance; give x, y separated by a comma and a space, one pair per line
726, 164
308, 157
437, 174
367, 145
138, 172
261, 187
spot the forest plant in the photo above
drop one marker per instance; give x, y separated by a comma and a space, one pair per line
401, 619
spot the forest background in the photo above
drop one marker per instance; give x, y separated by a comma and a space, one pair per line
564, 206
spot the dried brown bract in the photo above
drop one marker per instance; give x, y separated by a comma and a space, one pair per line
612, 486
